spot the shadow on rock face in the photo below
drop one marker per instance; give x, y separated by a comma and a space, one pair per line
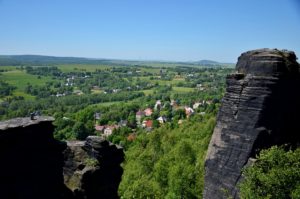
36, 166
259, 109
93, 168
31, 160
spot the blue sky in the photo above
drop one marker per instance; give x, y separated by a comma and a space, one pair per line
179, 30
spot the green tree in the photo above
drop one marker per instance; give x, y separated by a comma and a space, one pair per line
275, 174
80, 131
132, 120
167, 163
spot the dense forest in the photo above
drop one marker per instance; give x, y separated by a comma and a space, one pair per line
169, 162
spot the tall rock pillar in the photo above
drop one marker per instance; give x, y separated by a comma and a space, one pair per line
260, 108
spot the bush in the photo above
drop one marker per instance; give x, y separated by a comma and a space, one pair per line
275, 174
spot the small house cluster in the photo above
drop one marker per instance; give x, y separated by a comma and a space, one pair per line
144, 118
106, 130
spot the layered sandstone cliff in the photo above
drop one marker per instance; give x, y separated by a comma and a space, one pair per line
260, 108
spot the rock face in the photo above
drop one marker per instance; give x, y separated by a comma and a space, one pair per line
36, 166
260, 108
31, 160
92, 168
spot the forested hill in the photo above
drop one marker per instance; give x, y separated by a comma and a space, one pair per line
40, 60
6, 60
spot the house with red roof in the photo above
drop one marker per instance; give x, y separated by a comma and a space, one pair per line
147, 124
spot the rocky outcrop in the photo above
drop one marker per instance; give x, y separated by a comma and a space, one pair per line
31, 160
260, 108
92, 168
36, 166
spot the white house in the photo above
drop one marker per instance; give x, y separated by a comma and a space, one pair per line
162, 119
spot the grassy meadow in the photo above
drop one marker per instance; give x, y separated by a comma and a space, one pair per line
17, 77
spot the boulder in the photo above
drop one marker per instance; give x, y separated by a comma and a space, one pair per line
92, 168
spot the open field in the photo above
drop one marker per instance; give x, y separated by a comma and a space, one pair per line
160, 81
20, 79
148, 91
96, 91
93, 67
182, 89
82, 67
8, 67
23, 94
102, 104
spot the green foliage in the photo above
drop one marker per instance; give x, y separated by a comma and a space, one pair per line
6, 89
92, 162
275, 174
45, 71
80, 131
167, 163
120, 135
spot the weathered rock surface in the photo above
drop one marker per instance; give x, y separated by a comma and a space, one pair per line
92, 168
260, 108
31, 160
36, 166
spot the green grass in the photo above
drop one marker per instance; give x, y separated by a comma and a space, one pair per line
183, 89
174, 90
20, 79
82, 67
105, 104
9, 68
96, 91
148, 92
167, 82
23, 94
159, 81
151, 70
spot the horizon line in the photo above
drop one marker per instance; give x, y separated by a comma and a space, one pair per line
119, 59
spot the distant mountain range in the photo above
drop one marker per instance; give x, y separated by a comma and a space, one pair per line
40, 60
205, 62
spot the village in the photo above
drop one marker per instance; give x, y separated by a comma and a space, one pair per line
113, 101
154, 117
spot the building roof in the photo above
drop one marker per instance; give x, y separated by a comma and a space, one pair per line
162, 118
99, 128
112, 127
140, 113
148, 111
188, 110
148, 123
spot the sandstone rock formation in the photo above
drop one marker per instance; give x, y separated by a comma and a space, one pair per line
92, 168
31, 160
36, 166
260, 108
